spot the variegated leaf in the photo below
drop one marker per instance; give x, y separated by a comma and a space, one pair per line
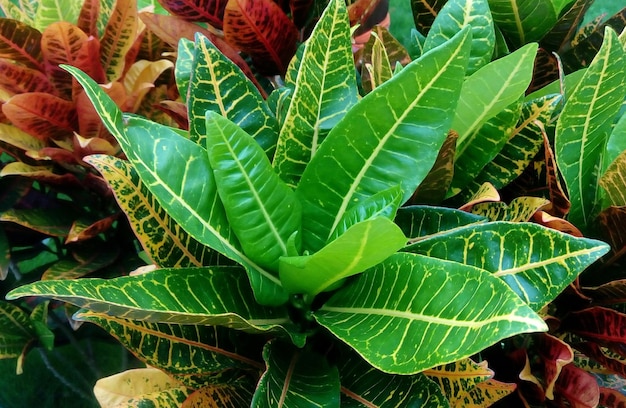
411, 113
557, 258
424, 301
167, 244
583, 128
212, 296
418, 222
21, 43
119, 35
455, 15
218, 85
190, 353
325, 89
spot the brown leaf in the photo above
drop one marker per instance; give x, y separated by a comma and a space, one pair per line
20, 43
300, 10
556, 223
612, 221
434, 187
611, 293
81, 231
610, 360
42, 115
555, 355
424, 13
261, 29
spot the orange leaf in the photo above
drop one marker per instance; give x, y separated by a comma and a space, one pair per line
611, 398
41, 114
17, 78
88, 17
118, 38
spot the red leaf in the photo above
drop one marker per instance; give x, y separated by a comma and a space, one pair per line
19, 79
210, 11
261, 29
611, 398
598, 323
64, 43
171, 29
20, 42
41, 115
576, 388
88, 17
555, 354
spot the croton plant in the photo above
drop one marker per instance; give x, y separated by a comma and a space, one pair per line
412, 232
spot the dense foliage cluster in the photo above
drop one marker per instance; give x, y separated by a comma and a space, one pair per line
266, 213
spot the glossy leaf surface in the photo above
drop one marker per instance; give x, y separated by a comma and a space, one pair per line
296, 378
362, 246
423, 300
362, 386
421, 221
218, 85
455, 15
189, 353
490, 90
165, 241
583, 128
397, 126
262, 210
208, 11
201, 215
550, 261
21, 43
155, 297
325, 89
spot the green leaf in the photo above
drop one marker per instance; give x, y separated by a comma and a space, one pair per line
55, 222
520, 209
399, 126
363, 385
184, 66
190, 196
212, 296
583, 128
455, 15
522, 146
617, 141
192, 354
261, 209
325, 89
382, 204
613, 181
362, 246
425, 302
192, 201
52, 11
296, 378
218, 85
490, 90
16, 333
549, 262
39, 320
482, 145
524, 21
419, 221
167, 244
